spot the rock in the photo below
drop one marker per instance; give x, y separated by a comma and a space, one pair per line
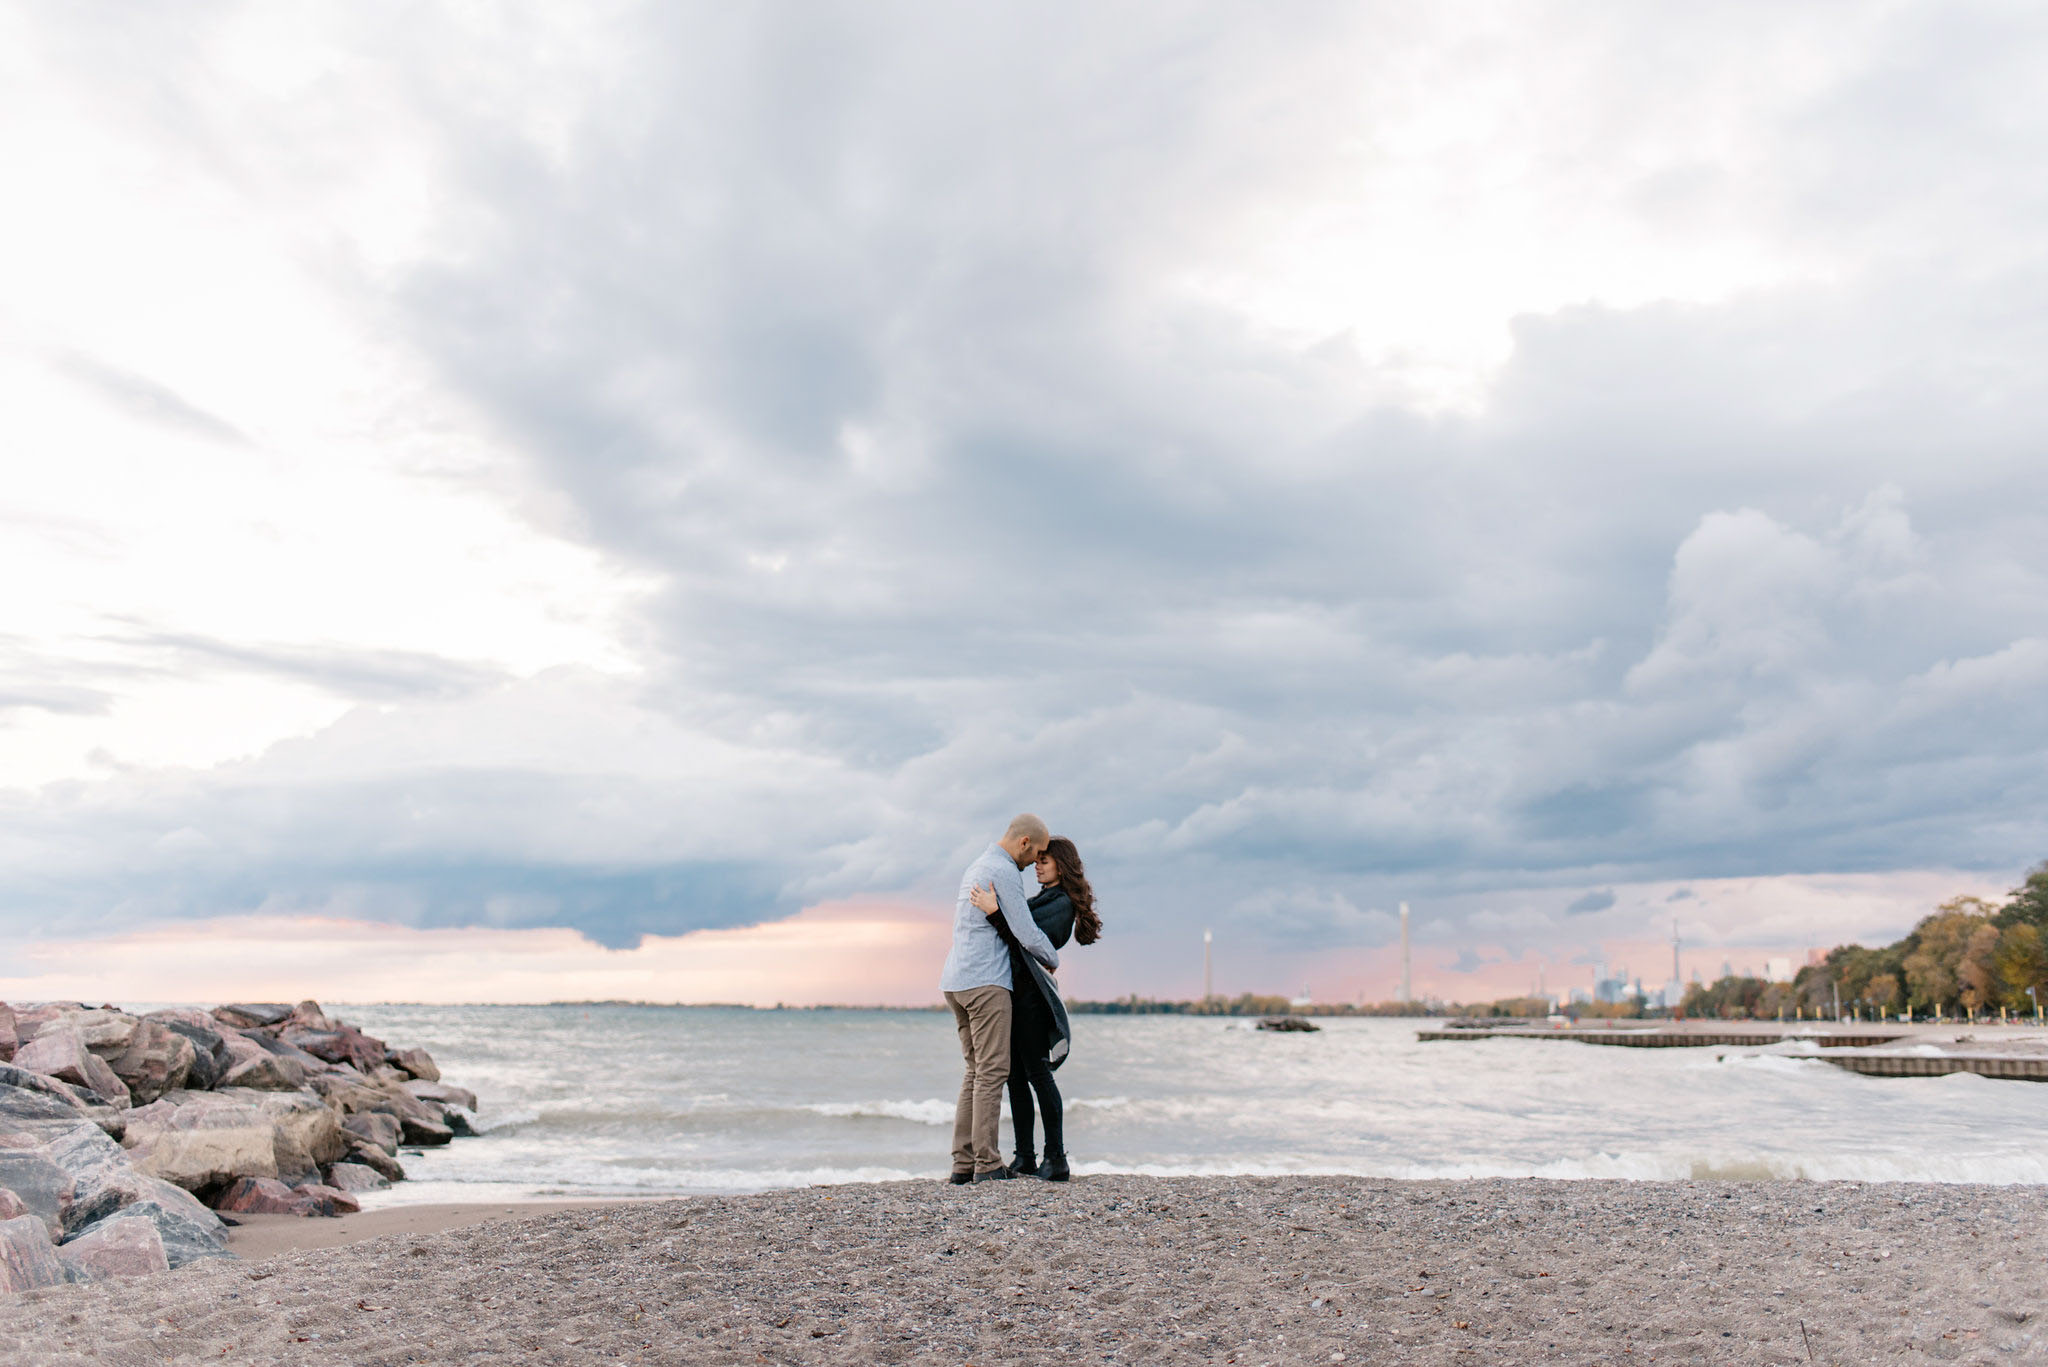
210, 1055
414, 1062
29, 1019
106, 1031
30, 1100
354, 1177
345, 1045
307, 1133
443, 1093
1289, 1024
33, 1102
251, 1065
6, 1032
27, 1257
268, 1196
37, 1186
307, 1015
375, 1159
376, 1127
107, 1185
250, 1015
59, 1051
333, 1200
200, 1140
157, 1060
425, 1133
279, 1047
124, 1246
189, 1231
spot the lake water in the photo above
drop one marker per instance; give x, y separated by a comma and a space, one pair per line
636, 1100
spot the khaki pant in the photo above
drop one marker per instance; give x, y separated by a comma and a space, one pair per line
983, 1015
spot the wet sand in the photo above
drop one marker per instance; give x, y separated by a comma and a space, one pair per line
265, 1236
1125, 1269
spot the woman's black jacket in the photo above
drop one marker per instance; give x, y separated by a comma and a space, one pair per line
1038, 1018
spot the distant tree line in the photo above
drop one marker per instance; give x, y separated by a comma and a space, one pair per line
1966, 959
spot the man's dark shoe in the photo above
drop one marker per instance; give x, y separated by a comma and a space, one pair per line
1025, 1164
1054, 1168
996, 1175
961, 1179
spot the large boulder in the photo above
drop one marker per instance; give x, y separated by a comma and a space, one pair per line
13, 1207
375, 1127
420, 1122
58, 1050
268, 1196
344, 1044
210, 1051
442, 1094
375, 1159
29, 1019
157, 1060
354, 1177
108, 1186
251, 1065
251, 1015
34, 1103
414, 1063
105, 1031
38, 1184
190, 1232
307, 1133
201, 1140
27, 1257
125, 1245
6, 1032
307, 1015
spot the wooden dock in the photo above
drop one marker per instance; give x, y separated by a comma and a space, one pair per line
1874, 1053
1674, 1039
2024, 1067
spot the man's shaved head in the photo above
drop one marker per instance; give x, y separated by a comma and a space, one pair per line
1028, 827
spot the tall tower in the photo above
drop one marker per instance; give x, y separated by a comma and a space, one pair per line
1674, 949
1208, 982
1406, 995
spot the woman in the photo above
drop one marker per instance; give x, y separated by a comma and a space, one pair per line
1039, 1034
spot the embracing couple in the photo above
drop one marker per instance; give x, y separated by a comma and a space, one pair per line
998, 980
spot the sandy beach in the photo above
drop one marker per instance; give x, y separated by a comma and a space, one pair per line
1117, 1269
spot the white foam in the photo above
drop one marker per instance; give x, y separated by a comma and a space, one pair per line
930, 1112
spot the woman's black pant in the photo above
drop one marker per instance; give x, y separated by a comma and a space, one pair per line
1034, 1074
1030, 1041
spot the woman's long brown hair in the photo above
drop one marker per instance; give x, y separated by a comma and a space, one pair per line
1073, 881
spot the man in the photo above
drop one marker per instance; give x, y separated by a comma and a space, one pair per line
976, 982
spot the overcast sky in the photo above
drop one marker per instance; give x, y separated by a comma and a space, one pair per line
641, 469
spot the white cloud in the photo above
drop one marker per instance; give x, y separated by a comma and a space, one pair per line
647, 468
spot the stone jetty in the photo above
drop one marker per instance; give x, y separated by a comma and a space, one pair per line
2021, 1054
124, 1137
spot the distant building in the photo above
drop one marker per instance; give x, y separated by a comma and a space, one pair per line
1778, 970
1580, 996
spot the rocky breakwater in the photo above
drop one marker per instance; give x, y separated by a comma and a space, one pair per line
124, 1137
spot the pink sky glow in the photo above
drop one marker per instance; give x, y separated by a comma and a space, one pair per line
888, 952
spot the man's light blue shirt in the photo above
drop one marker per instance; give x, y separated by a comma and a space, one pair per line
979, 958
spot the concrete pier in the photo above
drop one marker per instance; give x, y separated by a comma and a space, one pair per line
1901, 1051
1678, 1036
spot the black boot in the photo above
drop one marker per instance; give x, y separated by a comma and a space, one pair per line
1025, 1164
1054, 1168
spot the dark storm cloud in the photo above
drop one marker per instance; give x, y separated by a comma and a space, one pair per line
863, 331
